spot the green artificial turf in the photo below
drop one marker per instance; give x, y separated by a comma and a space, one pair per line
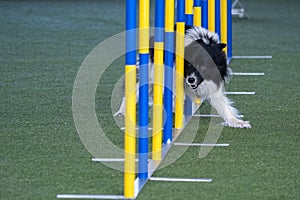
42, 45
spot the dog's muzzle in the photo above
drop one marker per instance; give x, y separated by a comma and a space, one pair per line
191, 81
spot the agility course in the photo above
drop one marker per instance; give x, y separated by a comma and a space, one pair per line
44, 43
164, 25
215, 15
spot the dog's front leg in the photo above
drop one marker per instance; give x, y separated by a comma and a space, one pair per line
224, 107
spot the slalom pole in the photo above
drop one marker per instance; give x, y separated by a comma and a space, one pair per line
197, 22
180, 29
169, 59
130, 94
144, 8
158, 80
189, 22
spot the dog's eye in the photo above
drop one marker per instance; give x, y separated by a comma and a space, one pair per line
191, 68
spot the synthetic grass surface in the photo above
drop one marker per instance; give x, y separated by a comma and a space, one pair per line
42, 45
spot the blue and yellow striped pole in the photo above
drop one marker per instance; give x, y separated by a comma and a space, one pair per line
130, 94
180, 29
197, 22
189, 22
158, 80
197, 12
144, 7
189, 14
169, 57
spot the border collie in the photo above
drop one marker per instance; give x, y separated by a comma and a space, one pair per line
205, 73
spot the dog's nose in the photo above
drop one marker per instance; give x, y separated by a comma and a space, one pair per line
191, 80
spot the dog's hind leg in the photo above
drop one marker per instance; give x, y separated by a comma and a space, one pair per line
121, 111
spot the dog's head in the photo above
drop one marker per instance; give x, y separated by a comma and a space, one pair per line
192, 75
204, 62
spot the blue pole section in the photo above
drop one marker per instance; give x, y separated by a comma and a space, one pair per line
197, 3
180, 11
189, 19
188, 109
159, 21
229, 30
130, 57
143, 116
218, 17
168, 88
204, 13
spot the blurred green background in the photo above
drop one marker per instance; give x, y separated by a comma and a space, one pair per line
42, 45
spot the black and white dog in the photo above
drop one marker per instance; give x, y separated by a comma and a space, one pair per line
205, 72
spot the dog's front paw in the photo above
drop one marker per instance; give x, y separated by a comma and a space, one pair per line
237, 123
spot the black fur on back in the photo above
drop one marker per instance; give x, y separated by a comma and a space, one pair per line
202, 55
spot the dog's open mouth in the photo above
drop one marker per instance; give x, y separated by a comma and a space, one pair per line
194, 86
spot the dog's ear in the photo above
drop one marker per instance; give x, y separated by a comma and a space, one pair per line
221, 46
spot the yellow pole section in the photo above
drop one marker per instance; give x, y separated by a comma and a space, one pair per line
223, 5
197, 16
130, 132
169, 16
158, 100
179, 92
144, 26
211, 15
189, 6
